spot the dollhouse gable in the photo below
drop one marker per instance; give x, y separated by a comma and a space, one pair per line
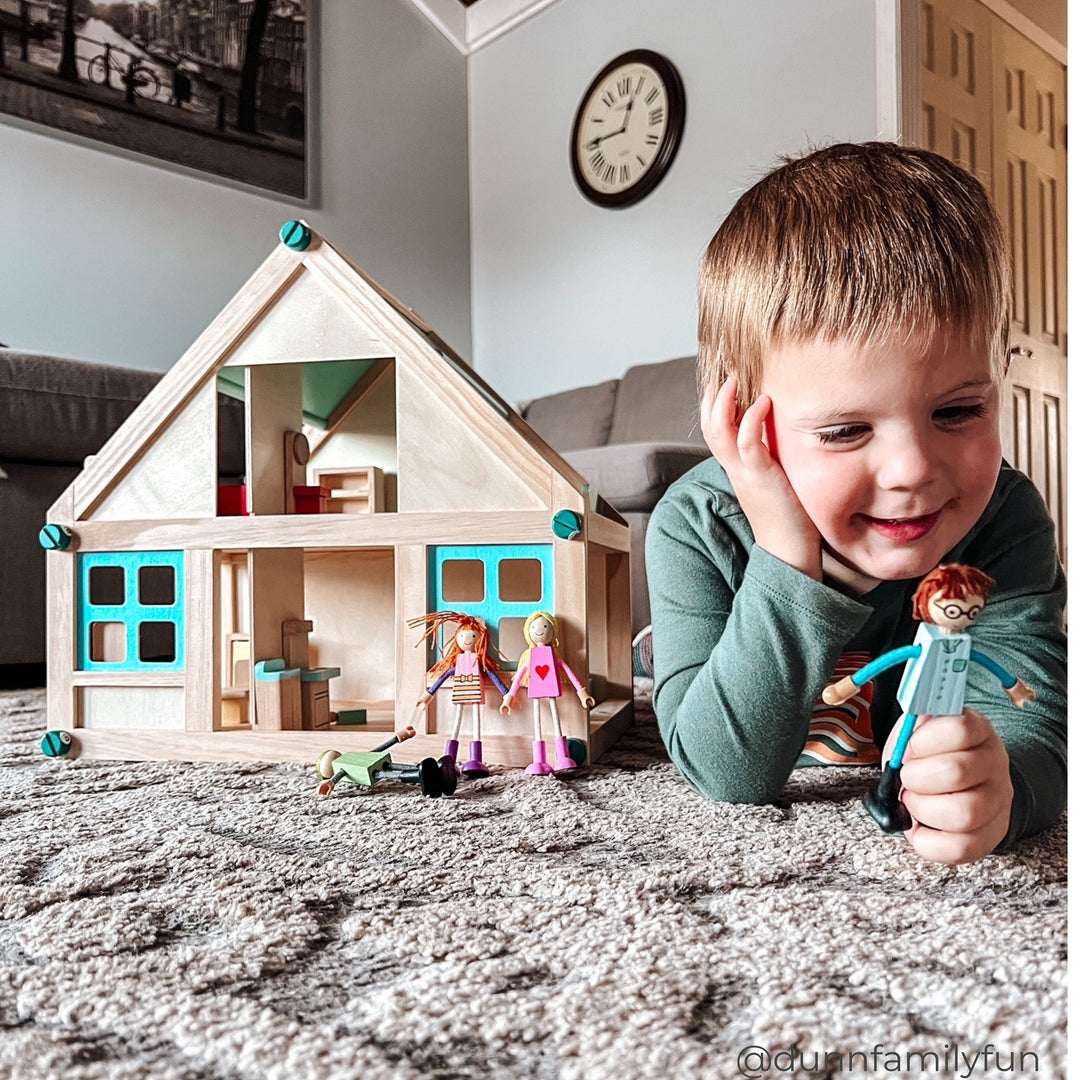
314, 346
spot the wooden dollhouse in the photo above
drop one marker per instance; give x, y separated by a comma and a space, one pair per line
384, 479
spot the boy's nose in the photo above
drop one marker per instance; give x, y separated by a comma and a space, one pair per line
906, 465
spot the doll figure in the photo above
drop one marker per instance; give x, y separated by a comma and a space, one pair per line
538, 670
466, 657
947, 602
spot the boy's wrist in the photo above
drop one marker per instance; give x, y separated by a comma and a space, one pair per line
804, 557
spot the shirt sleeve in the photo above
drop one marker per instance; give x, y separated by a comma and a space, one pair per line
743, 645
568, 671
493, 675
1022, 629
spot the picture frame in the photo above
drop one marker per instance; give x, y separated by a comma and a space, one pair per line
172, 84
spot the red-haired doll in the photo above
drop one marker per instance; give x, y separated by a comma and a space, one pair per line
466, 657
947, 602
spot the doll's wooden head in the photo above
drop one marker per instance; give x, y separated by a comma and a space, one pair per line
952, 597
470, 635
541, 628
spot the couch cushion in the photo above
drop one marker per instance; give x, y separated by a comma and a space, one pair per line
57, 410
658, 403
575, 418
633, 476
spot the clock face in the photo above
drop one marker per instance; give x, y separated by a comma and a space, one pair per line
627, 128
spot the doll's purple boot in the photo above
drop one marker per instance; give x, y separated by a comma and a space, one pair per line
452, 749
539, 766
563, 760
475, 765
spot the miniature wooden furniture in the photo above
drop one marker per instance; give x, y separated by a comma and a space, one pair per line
342, 388
353, 491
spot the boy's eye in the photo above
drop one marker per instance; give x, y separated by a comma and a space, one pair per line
956, 415
846, 433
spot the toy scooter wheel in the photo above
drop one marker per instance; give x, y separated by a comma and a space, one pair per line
431, 777
324, 766
578, 750
448, 768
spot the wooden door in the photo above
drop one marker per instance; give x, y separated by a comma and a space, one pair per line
994, 101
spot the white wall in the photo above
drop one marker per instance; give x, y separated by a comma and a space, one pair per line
565, 292
123, 262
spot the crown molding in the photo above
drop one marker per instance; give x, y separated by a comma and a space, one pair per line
471, 28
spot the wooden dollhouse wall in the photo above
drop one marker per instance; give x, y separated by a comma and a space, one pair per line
177, 475
349, 597
447, 463
274, 396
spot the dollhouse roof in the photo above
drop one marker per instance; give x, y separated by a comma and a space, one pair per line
316, 312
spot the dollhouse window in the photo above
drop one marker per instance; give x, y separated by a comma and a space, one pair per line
500, 583
131, 611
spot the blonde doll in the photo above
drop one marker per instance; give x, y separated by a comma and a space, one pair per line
538, 670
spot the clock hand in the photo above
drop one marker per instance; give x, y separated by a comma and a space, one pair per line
611, 134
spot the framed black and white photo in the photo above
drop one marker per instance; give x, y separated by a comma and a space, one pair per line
220, 88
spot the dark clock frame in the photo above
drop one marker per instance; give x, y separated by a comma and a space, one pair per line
676, 95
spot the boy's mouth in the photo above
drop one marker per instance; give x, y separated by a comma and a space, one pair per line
903, 530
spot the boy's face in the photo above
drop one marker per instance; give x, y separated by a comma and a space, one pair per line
893, 451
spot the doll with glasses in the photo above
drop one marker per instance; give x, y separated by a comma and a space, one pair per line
947, 602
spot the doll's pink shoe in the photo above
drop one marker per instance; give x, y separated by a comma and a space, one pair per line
539, 766
475, 765
451, 748
563, 760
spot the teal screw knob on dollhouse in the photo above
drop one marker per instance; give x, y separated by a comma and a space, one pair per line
55, 538
295, 235
566, 525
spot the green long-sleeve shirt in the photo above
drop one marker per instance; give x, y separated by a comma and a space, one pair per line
744, 643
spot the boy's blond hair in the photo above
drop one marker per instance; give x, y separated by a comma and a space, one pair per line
865, 243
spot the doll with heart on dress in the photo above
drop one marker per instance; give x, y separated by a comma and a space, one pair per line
538, 671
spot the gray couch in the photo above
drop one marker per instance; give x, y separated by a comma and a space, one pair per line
53, 413
630, 438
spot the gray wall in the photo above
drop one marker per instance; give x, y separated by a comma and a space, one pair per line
123, 262
565, 292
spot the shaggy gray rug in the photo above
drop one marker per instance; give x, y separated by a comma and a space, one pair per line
177, 922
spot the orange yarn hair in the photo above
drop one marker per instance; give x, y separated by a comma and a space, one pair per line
951, 580
434, 621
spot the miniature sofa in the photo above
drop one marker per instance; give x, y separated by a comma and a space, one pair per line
630, 438
55, 412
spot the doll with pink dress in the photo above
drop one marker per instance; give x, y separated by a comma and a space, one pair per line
538, 670
467, 659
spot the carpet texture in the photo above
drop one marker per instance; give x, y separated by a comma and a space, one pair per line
177, 922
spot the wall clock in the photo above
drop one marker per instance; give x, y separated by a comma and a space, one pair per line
627, 128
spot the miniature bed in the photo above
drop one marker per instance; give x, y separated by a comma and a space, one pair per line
384, 479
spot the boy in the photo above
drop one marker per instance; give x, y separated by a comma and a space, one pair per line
853, 342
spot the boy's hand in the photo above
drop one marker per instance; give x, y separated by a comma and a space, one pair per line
780, 524
956, 785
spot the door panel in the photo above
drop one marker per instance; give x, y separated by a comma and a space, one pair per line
995, 102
